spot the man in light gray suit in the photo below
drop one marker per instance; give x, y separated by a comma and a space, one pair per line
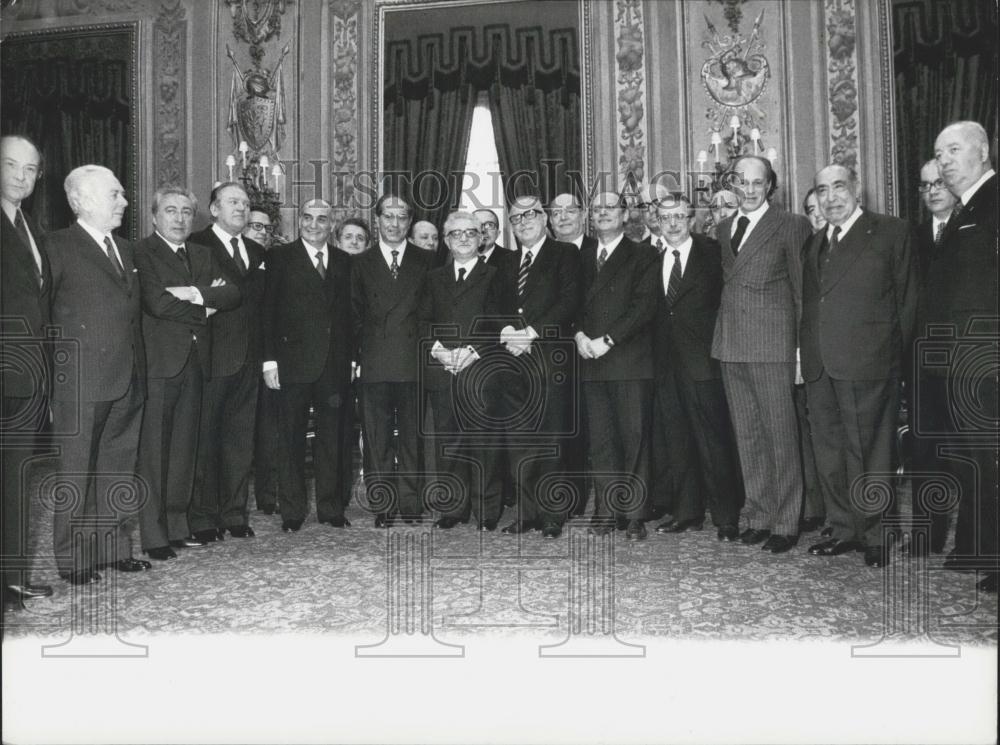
755, 340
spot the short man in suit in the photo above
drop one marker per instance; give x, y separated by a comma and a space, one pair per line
699, 457
386, 286
229, 400
96, 417
859, 304
961, 297
490, 225
353, 236
460, 311
425, 235
536, 395
615, 345
649, 197
182, 287
307, 352
755, 340
24, 314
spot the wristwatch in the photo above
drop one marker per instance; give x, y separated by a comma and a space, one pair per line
609, 341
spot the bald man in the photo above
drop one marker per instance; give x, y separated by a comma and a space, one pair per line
425, 235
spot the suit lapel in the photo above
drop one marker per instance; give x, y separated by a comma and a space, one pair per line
759, 237
695, 263
847, 252
539, 263
472, 279
618, 258
96, 254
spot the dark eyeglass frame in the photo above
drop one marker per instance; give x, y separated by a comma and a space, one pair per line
925, 186
490, 225
260, 226
527, 214
471, 233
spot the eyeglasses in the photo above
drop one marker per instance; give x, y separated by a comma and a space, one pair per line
526, 215
673, 217
471, 233
926, 186
490, 225
259, 226
565, 211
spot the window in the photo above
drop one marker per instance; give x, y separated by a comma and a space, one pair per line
482, 186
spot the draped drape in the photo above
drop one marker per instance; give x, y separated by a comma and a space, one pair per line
946, 70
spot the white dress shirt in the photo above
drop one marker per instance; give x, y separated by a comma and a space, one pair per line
668, 260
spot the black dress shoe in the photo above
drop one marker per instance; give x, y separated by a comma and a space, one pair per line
827, 532
833, 547
518, 526
291, 526
267, 509
131, 565
728, 533
988, 583
446, 523
336, 522
635, 530
161, 553
682, 526
876, 556
83, 577
26, 592
809, 524
190, 542
488, 525
753, 536
551, 530
211, 535
779, 544
241, 531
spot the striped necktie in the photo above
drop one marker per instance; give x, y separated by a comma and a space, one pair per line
522, 275
673, 284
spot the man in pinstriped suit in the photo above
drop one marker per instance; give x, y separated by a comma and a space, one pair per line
755, 340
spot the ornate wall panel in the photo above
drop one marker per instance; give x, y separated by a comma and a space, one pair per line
630, 89
170, 95
842, 71
344, 96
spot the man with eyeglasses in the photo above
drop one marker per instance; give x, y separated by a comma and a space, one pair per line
460, 312
259, 228
859, 310
543, 276
489, 225
307, 359
649, 197
387, 283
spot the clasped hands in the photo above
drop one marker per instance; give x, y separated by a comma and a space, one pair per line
192, 294
516, 342
454, 360
590, 349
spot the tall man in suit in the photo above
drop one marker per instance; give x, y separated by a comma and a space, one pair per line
961, 297
537, 393
182, 287
460, 310
699, 457
308, 352
859, 303
386, 285
96, 303
614, 342
755, 340
229, 400
24, 377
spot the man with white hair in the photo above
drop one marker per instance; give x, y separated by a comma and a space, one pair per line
97, 415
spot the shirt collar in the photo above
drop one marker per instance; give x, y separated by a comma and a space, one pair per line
684, 248
173, 246
969, 193
96, 234
10, 209
534, 249
755, 215
845, 226
610, 247
468, 266
578, 241
225, 237
313, 249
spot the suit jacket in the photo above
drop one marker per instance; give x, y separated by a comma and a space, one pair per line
682, 332
385, 313
24, 311
170, 326
461, 314
619, 301
306, 317
762, 291
859, 315
99, 312
236, 333
552, 291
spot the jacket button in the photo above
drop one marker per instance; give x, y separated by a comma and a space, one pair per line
520, 310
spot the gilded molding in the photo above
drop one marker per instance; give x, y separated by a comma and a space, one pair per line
842, 69
169, 113
346, 122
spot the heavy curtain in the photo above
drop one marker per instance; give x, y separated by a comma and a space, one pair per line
946, 69
71, 92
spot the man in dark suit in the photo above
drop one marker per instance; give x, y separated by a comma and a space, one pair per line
755, 340
490, 227
24, 364
859, 303
386, 285
699, 458
535, 390
614, 342
460, 312
649, 197
961, 301
182, 287
96, 415
229, 400
308, 352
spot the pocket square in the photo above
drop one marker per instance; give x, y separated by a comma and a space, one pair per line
965, 227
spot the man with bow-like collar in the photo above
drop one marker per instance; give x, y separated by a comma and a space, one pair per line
859, 304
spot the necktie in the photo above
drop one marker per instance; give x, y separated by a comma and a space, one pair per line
522, 275
320, 265
827, 249
237, 256
673, 284
939, 232
957, 211
601, 258
660, 248
22, 229
110, 251
461, 275
741, 228
182, 254
394, 267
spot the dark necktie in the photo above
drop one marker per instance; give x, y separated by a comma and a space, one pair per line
673, 284
741, 228
957, 211
182, 254
522, 274
461, 275
939, 233
22, 229
601, 258
110, 251
827, 249
660, 246
237, 256
394, 267
320, 266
